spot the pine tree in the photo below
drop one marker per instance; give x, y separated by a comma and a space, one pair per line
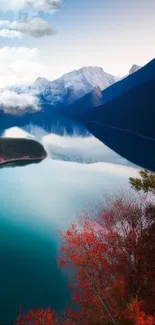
145, 183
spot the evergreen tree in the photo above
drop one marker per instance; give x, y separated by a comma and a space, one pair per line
146, 182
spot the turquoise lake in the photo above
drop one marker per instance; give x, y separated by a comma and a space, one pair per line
35, 202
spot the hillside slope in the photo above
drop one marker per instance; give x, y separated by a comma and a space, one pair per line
126, 125
125, 122
98, 97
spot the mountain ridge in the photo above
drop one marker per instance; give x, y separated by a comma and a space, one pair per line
60, 111
124, 121
134, 68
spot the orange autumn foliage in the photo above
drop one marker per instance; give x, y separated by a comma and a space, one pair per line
110, 264
113, 262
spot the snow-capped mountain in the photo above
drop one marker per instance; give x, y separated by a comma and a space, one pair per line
41, 83
87, 78
56, 105
73, 85
134, 69
69, 87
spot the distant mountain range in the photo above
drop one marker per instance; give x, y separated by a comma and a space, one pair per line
73, 93
70, 86
120, 113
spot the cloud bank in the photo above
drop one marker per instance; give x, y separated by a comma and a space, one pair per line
13, 103
38, 5
35, 27
10, 54
28, 25
6, 33
45, 5
19, 64
80, 149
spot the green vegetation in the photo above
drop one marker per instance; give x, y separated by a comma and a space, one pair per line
145, 183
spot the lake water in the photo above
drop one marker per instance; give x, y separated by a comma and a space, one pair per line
38, 200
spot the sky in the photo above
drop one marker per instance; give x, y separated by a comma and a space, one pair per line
48, 38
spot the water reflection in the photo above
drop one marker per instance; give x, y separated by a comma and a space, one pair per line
35, 201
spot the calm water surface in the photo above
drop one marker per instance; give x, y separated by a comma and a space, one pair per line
36, 201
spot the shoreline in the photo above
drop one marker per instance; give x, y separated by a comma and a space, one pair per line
25, 158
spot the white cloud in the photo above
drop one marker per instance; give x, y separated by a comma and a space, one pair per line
39, 5
19, 64
13, 5
14, 103
10, 54
6, 33
21, 67
8, 80
79, 149
35, 27
45, 5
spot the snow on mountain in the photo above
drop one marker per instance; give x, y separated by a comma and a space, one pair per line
73, 85
94, 76
134, 68
42, 82
88, 77
70, 87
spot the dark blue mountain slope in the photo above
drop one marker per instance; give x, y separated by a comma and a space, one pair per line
147, 73
126, 123
97, 97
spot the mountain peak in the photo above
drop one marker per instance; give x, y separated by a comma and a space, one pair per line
90, 68
134, 68
41, 81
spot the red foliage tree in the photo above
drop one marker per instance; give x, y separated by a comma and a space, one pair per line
113, 263
40, 317
36, 317
111, 269
137, 316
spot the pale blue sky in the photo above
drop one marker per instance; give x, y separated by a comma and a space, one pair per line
113, 34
